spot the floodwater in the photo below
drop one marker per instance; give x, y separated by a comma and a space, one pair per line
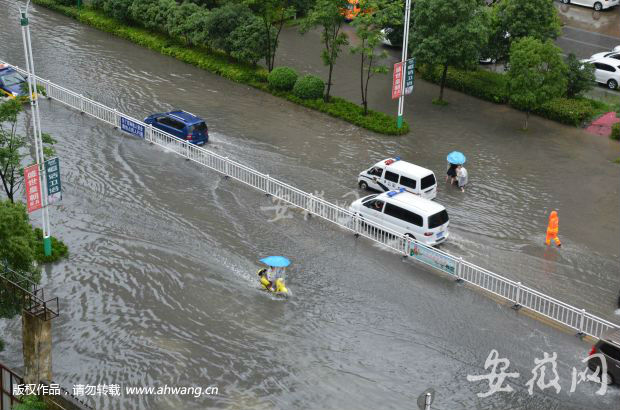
160, 288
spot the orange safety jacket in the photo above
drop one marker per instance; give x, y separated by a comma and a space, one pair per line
554, 221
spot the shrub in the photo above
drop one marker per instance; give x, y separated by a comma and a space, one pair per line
615, 132
567, 111
59, 249
309, 87
580, 76
282, 78
30, 402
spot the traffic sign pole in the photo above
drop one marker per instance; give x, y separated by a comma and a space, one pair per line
36, 126
401, 100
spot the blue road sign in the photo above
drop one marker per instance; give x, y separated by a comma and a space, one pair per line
132, 127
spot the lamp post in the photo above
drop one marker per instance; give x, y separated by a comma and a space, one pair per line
36, 126
401, 99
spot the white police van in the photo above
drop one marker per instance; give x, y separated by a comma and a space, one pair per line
405, 213
393, 173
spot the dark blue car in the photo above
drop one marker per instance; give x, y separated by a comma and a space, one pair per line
182, 124
11, 82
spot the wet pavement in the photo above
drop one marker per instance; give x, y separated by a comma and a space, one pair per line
606, 22
160, 287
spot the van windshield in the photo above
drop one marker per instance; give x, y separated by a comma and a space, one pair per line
438, 219
428, 181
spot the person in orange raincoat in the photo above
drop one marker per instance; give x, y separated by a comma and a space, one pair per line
552, 229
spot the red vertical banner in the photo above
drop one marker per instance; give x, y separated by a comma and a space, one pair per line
33, 194
397, 80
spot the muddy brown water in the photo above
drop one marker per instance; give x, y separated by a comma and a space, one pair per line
160, 286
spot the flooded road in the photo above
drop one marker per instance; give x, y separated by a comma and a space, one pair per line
160, 287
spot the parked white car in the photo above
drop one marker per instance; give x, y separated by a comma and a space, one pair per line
606, 71
405, 213
597, 5
606, 54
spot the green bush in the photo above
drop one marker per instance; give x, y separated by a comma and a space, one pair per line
309, 87
59, 249
567, 110
282, 78
487, 85
615, 132
30, 402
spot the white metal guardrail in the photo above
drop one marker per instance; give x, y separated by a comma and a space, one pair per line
507, 289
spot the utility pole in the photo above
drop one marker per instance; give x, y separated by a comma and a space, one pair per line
401, 99
36, 126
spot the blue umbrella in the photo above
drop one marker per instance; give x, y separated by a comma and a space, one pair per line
456, 157
276, 261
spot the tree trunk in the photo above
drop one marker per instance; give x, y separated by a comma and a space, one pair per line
362, 78
443, 81
329, 82
527, 117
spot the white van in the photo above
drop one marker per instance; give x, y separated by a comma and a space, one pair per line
393, 173
405, 213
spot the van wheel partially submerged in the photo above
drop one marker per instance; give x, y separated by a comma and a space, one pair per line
363, 185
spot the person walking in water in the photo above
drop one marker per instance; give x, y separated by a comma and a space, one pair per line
552, 229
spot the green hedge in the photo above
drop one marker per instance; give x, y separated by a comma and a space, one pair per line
218, 63
615, 131
282, 78
59, 249
492, 86
309, 87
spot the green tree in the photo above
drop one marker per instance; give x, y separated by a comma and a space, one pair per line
515, 19
184, 20
536, 75
327, 14
152, 14
119, 9
17, 244
368, 29
11, 148
448, 34
273, 14
580, 76
248, 41
222, 22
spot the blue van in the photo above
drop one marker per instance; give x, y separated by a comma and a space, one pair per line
11, 82
182, 124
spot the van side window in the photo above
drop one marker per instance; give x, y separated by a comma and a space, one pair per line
403, 215
374, 204
438, 219
408, 182
376, 171
390, 176
428, 181
610, 350
171, 123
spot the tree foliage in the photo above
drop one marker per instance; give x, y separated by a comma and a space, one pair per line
448, 33
515, 19
11, 148
376, 15
536, 75
580, 76
327, 15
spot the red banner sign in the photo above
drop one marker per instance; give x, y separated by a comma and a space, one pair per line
33, 194
397, 81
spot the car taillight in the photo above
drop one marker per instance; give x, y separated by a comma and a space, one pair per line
189, 137
593, 351
428, 233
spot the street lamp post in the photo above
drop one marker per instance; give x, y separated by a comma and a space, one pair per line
36, 126
401, 99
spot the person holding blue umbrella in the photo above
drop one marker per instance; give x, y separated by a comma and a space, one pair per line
455, 158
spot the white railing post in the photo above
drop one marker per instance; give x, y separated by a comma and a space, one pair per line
226, 174
187, 150
517, 300
81, 104
267, 183
149, 132
356, 225
310, 205
582, 319
459, 270
116, 119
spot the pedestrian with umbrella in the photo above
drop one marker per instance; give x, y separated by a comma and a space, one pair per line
456, 171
